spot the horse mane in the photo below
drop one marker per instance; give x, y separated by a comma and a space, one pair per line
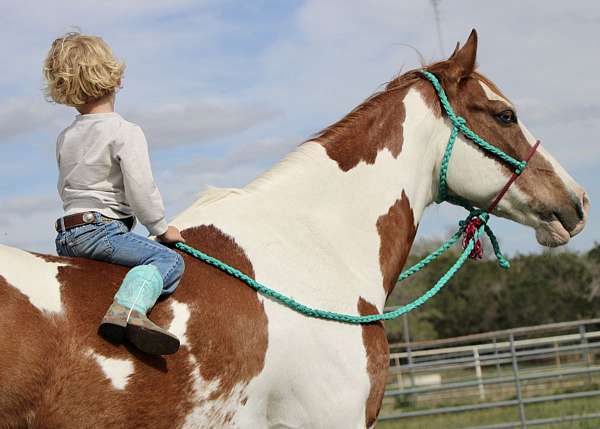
364, 109
212, 194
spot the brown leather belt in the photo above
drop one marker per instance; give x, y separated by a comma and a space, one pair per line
84, 218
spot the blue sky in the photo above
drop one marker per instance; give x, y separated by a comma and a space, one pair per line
223, 89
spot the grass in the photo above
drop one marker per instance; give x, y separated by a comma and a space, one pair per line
507, 414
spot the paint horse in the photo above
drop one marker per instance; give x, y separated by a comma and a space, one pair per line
331, 225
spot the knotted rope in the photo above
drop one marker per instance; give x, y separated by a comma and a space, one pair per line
473, 227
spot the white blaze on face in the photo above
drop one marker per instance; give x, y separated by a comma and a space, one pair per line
491, 95
116, 370
560, 171
33, 276
548, 233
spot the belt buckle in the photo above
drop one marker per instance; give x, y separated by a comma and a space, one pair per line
88, 217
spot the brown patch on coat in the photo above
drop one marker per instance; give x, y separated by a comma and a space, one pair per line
374, 125
77, 393
396, 232
24, 357
226, 332
378, 353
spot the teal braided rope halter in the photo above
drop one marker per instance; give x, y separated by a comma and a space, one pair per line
473, 226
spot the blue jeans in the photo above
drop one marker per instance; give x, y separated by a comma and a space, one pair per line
111, 241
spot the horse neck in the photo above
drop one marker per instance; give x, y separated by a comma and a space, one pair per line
359, 200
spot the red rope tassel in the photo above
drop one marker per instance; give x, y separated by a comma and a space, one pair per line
470, 230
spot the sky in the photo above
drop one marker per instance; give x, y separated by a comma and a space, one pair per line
224, 89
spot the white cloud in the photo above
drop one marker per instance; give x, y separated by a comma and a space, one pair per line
185, 123
182, 185
25, 115
28, 222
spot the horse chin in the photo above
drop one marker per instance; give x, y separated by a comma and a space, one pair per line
552, 234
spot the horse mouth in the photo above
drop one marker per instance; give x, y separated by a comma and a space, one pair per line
552, 234
554, 230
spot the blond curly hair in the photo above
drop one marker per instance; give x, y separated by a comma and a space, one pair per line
80, 69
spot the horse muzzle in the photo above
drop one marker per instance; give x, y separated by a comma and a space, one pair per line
557, 227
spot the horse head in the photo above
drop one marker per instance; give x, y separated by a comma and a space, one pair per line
545, 196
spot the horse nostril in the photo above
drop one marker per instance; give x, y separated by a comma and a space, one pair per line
580, 211
569, 217
583, 206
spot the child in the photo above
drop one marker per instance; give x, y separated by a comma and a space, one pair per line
104, 180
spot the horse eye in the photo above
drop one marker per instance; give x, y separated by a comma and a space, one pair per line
507, 116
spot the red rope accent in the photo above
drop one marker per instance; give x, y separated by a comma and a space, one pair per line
514, 176
470, 230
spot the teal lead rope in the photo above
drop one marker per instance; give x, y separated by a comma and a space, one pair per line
474, 226
349, 318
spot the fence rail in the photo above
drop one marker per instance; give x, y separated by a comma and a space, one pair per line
498, 369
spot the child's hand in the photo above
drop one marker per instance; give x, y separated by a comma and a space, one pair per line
171, 236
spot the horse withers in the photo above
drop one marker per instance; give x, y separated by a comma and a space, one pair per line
330, 225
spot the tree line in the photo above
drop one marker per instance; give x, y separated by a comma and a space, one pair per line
553, 286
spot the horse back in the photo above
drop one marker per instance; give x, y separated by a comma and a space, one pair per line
55, 371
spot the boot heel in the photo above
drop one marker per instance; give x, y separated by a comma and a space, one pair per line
152, 341
113, 333
113, 324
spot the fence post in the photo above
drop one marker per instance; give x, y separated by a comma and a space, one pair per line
557, 359
515, 366
498, 371
408, 349
586, 352
478, 373
399, 380
412, 397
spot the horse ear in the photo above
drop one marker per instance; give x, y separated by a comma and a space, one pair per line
455, 50
463, 59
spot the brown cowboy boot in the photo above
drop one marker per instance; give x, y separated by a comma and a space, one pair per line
126, 317
150, 338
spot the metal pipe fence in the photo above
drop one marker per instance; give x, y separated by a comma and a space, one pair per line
514, 368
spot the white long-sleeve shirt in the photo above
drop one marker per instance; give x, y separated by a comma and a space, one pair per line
104, 166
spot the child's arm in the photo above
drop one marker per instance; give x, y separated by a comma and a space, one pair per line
140, 190
172, 236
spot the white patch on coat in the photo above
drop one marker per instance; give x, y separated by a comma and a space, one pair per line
331, 256
181, 316
116, 370
492, 95
327, 260
33, 276
215, 412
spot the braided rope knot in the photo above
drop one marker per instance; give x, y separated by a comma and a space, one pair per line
470, 228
